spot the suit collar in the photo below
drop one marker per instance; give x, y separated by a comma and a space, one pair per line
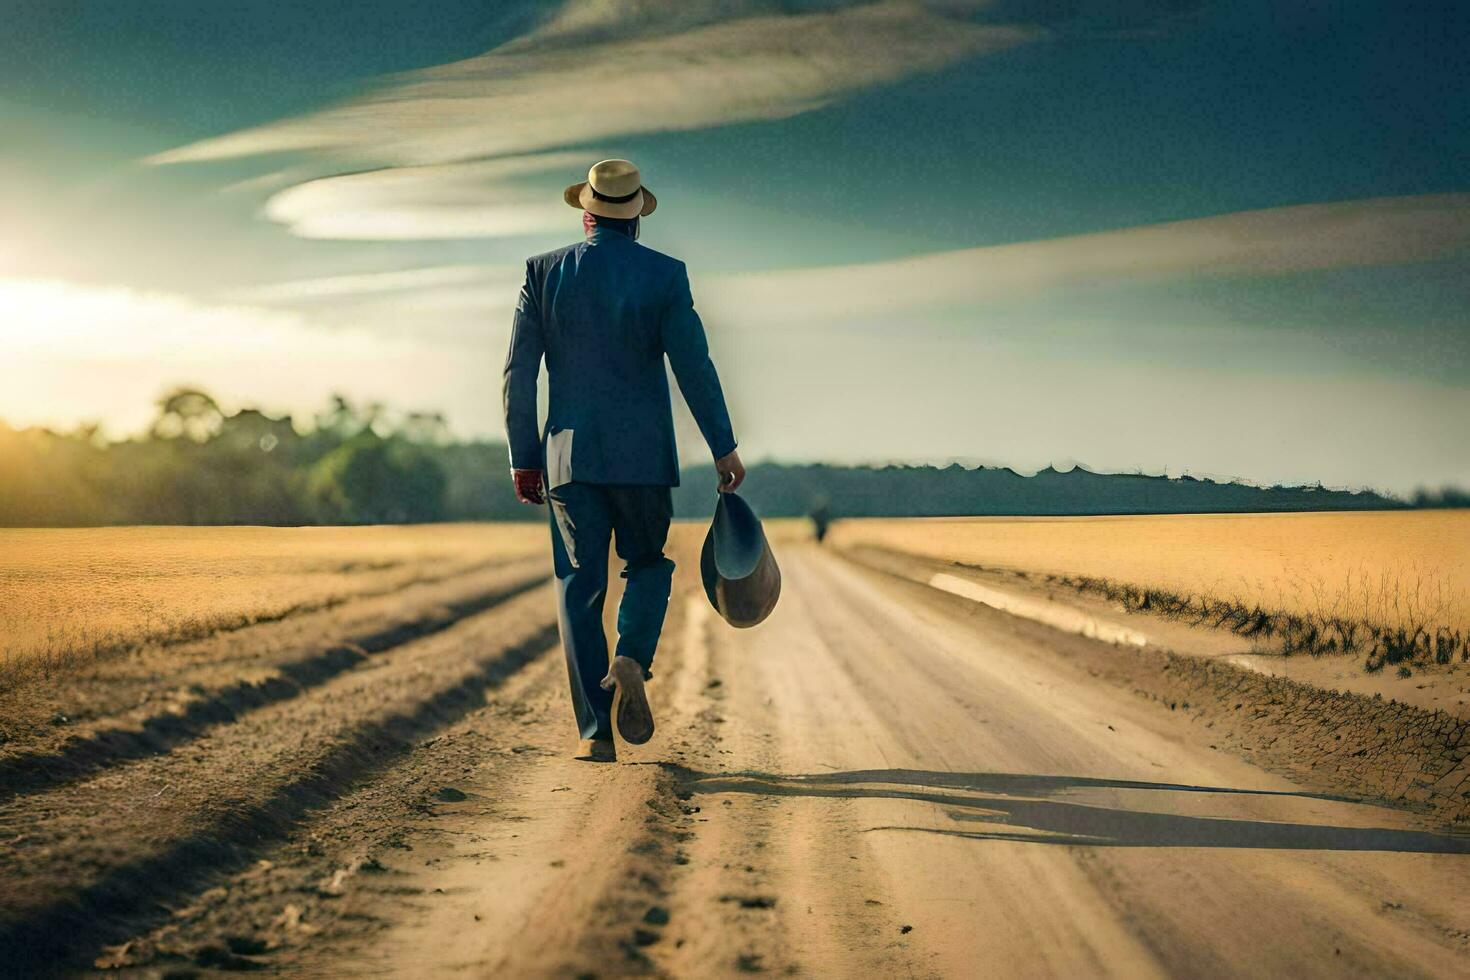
604, 236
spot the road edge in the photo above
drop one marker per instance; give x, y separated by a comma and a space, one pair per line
1367, 747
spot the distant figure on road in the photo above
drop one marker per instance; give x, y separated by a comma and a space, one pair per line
821, 518
603, 313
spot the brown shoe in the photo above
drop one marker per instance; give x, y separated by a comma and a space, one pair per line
596, 750
631, 712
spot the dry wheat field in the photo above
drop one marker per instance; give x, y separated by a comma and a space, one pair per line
67, 595
1400, 569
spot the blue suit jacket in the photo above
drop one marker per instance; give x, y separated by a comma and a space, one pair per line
604, 312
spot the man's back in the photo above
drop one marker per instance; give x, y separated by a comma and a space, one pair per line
603, 313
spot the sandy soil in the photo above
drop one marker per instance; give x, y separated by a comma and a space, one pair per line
882, 780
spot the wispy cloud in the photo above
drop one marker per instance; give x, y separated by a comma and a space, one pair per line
1379, 231
481, 199
583, 78
454, 304
445, 145
333, 288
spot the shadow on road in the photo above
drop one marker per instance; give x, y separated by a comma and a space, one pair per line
1023, 807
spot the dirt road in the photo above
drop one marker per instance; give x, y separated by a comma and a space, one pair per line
883, 780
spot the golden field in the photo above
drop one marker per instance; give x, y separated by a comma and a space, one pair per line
68, 593
1403, 568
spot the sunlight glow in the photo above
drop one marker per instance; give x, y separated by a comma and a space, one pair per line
105, 352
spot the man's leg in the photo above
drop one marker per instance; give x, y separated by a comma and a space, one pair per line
581, 523
640, 517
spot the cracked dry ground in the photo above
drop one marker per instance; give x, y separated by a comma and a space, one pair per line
881, 780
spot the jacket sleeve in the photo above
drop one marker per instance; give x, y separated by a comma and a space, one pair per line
688, 350
522, 365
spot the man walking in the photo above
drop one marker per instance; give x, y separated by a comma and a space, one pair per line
603, 313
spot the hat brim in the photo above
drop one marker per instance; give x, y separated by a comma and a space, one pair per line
579, 196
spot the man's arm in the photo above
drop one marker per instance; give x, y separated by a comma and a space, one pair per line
685, 343
522, 365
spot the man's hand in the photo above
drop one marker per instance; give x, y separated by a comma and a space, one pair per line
731, 470
528, 486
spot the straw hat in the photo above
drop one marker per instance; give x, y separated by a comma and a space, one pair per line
613, 189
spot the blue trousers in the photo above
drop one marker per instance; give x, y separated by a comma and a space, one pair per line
585, 517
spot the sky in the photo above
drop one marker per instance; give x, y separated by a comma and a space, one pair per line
1224, 239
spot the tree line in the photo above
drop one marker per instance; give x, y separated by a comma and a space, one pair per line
197, 464
361, 464
957, 491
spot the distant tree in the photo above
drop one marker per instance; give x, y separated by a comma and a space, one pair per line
479, 485
188, 413
342, 419
1445, 497
252, 431
424, 428
372, 480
